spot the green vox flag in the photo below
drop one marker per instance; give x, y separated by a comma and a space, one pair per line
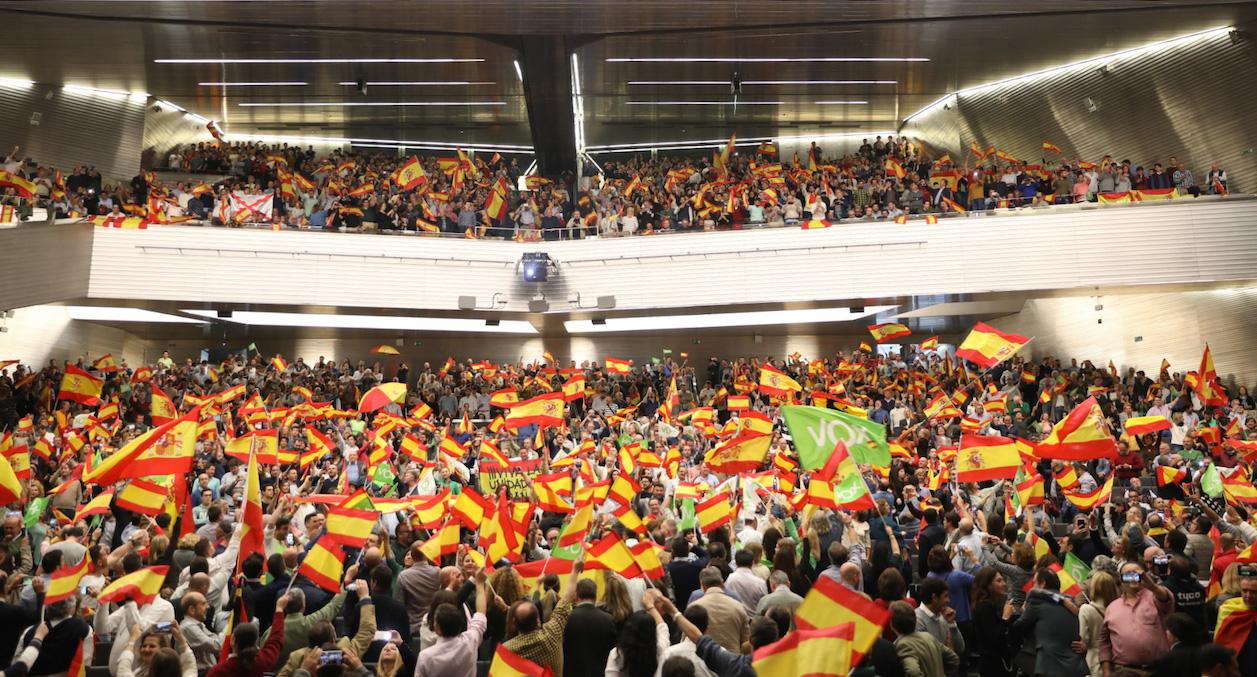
1211, 481
34, 511
1076, 568
816, 431
688, 520
571, 552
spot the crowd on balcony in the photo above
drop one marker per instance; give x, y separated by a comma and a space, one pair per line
664, 518
889, 179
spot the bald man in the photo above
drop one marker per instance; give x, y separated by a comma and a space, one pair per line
204, 643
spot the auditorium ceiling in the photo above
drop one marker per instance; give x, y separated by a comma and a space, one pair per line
648, 70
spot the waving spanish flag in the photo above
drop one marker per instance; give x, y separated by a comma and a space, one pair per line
1049, 147
986, 457
507, 663
545, 410
410, 175
773, 381
890, 330
1167, 475
714, 512
616, 366
611, 554
743, 453
1083, 435
829, 604
162, 407
141, 586
80, 386
324, 565
1093, 499
1141, 425
987, 346
826, 652
894, 168
65, 581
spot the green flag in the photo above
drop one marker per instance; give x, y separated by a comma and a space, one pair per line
253, 347
34, 511
383, 476
571, 552
688, 520
816, 431
1076, 568
1211, 481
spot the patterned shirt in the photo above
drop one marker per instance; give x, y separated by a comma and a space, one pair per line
544, 646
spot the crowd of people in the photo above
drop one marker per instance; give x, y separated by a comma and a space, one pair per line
583, 541
888, 179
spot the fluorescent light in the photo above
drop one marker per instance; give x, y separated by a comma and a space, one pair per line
433, 60
252, 84
705, 103
1085, 63
578, 106
199, 118
518, 71
379, 322
114, 93
841, 103
419, 83
16, 82
764, 82
382, 143
124, 314
707, 321
765, 59
169, 104
347, 104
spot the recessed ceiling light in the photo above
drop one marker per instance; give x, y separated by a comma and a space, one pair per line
706, 321
764, 59
380, 322
16, 82
519, 72
419, 83
341, 104
433, 60
252, 84
705, 103
764, 82
124, 314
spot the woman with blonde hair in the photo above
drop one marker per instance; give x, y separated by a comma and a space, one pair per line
151, 654
1230, 585
1102, 589
615, 598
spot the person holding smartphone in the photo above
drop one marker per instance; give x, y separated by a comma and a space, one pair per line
1133, 635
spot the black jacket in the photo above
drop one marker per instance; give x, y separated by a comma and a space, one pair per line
1183, 660
587, 641
930, 536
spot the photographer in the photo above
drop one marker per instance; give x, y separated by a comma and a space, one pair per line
1132, 635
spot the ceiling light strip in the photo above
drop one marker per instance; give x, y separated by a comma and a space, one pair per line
769, 59
387, 60
252, 84
124, 314
705, 103
749, 141
420, 83
1085, 63
725, 83
113, 93
369, 104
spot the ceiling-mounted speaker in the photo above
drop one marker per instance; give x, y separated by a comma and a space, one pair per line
466, 303
857, 309
492, 323
598, 321
538, 306
224, 314
606, 302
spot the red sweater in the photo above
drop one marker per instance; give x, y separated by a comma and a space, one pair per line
266, 659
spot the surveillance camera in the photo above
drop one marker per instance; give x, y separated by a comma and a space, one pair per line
362, 86
156, 108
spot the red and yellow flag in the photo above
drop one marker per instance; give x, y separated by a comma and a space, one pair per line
141, 586
143, 496
252, 539
829, 604
507, 663
544, 410
888, 331
774, 382
826, 652
65, 581
1081, 436
324, 565
1167, 475
984, 457
743, 453
1141, 425
615, 366
611, 554
162, 407
714, 512
1093, 499
80, 386
410, 175
987, 346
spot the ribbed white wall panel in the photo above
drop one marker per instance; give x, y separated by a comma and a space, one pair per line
1192, 241
40, 263
1173, 326
41, 333
63, 128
